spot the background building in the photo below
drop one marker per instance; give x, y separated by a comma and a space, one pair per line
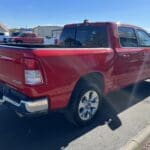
47, 31
4, 29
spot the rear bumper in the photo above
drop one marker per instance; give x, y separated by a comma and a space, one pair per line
22, 104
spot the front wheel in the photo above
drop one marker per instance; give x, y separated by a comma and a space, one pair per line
85, 104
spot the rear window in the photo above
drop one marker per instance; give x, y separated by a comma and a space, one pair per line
25, 35
85, 36
92, 37
28, 35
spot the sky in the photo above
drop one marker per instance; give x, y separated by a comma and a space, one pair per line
30, 13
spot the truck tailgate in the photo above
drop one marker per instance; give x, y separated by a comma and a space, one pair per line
11, 68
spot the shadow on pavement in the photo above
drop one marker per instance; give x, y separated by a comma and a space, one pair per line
53, 132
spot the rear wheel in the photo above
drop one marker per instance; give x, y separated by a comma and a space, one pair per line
85, 104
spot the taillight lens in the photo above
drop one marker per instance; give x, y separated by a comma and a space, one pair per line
32, 72
33, 77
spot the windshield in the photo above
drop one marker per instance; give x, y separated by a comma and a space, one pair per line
15, 34
21, 34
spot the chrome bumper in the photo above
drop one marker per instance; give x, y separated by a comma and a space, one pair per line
27, 107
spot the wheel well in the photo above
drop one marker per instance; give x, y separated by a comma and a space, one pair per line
94, 77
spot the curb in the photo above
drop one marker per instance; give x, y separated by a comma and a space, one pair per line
138, 141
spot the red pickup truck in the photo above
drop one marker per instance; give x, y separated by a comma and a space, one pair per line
91, 60
29, 38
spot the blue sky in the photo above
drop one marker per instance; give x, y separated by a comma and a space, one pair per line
30, 13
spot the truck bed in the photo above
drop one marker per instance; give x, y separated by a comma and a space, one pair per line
61, 69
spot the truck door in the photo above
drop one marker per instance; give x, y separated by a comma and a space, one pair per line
144, 44
128, 62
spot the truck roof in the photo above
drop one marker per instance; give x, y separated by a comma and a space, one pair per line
89, 23
102, 23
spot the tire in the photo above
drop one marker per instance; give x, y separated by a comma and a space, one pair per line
81, 109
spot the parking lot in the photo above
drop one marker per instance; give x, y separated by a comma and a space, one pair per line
124, 114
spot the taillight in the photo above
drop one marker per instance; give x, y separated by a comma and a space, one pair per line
32, 72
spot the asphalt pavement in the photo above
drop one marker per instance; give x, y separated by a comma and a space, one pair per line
124, 113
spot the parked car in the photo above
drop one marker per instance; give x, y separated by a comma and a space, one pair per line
2, 37
92, 60
30, 38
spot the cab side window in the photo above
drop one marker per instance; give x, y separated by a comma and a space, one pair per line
29, 35
144, 38
127, 37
